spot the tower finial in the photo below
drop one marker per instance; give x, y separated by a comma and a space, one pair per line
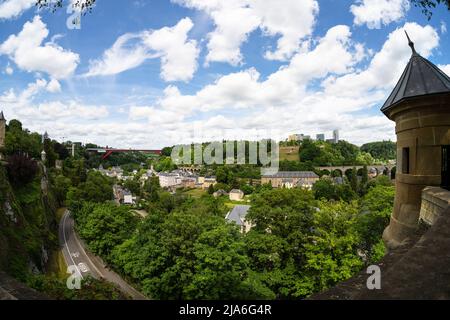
410, 43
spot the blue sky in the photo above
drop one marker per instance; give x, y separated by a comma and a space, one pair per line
155, 73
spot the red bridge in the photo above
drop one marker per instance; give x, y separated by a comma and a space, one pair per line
109, 151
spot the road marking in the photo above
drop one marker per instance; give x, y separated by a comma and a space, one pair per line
67, 247
91, 262
83, 267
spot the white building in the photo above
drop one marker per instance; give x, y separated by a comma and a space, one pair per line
236, 195
128, 198
238, 216
167, 180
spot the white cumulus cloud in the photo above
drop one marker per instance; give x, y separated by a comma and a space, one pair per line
54, 86
445, 68
14, 8
178, 54
29, 53
375, 13
234, 20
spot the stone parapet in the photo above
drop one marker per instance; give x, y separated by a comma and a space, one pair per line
435, 201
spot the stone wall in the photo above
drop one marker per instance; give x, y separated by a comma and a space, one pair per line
435, 200
11, 289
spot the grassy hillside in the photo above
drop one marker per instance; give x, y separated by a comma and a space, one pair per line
289, 153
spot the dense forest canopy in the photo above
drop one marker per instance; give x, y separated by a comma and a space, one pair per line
185, 249
384, 150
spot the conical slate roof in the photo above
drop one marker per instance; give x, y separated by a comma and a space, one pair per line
2, 117
421, 77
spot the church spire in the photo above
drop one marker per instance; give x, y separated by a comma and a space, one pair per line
2, 117
411, 44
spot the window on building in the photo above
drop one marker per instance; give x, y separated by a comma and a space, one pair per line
405, 160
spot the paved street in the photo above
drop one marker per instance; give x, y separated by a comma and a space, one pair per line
76, 254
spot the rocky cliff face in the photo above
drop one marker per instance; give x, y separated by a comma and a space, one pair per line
28, 228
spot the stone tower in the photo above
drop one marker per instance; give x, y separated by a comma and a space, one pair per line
420, 107
2, 130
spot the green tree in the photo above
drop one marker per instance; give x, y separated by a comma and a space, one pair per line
222, 174
210, 189
62, 185
282, 211
187, 254
382, 150
51, 155
133, 185
97, 188
328, 190
348, 151
325, 189
354, 180
376, 209
104, 226
309, 151
165, 164
266, 251
152, 188
22, 141
221, 264
247, 189
331, 252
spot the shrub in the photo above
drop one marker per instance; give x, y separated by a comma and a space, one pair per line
21, 169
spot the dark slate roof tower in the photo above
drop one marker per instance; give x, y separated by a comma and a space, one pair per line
420, 78
2, 117
420, 107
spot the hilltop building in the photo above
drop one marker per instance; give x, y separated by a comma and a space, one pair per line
420, 107
336, 135
298, 137
319, 137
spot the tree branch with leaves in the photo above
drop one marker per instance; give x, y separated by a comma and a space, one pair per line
428, 6
84, 6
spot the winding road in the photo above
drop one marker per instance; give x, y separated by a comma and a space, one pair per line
76, 254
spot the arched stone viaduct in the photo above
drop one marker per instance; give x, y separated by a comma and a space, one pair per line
379, 168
